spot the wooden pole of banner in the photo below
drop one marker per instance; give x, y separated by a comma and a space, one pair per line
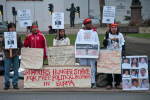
113, 83
57, 33
10, 53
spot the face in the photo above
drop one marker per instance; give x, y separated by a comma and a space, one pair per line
135, 83
88, 26
143, 60
114, 30
126, 72
34, 30
134, 60
62, 33
125, 60
12, 29
143, 71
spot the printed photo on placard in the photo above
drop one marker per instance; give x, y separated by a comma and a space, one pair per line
135, 84
134, 62
143, 73
134, 73
143, 62
126, 63
126, 73
126, 83
144, 83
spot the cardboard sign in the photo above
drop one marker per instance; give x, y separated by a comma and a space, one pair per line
10, 40
24, 16
108, 14
86, 51
58, 77
109, 62
62, 55
31, 58
58, 20
135, 73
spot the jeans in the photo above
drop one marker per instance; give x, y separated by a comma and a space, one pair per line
14, 64
90, 62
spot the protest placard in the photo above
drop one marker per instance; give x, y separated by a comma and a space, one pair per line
58, 20
10, 40
86, 50
24, 16
108, 14
58, 77
31, 58
109, 62
135, 73
62, 55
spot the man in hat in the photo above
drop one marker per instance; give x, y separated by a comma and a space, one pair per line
36, 40
88, 35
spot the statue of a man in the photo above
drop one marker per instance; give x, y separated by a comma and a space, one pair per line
72, 10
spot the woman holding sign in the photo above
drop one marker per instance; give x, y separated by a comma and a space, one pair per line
114, 40
86, 39
12, 51
61, 39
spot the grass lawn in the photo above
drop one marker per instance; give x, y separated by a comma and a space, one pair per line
146, 36
72, 38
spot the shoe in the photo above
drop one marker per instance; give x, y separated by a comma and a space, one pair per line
93, 85
7, 86
15, 87
108, 87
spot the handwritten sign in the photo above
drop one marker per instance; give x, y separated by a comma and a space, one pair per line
31, 58
62, 55
58, 77
10, 40
109, 62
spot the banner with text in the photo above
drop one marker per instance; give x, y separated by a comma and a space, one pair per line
58, 77
109, 62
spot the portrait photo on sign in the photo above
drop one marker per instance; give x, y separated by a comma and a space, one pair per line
135, 83
134, 73
126, 63
134, 63
143, 73
144, 83
126, 83
143, 62
126, 73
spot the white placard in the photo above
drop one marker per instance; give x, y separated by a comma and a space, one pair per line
24, 16
58, 20
135, 73
10, 40
108, 14
86, 50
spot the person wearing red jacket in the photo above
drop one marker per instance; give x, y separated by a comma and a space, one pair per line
36, 40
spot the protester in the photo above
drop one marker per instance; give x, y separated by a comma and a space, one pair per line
11, 60
36, 40
114, 40
61, 39
84, 37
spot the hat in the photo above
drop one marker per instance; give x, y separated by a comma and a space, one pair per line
87, 21
34, 26
114, 25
